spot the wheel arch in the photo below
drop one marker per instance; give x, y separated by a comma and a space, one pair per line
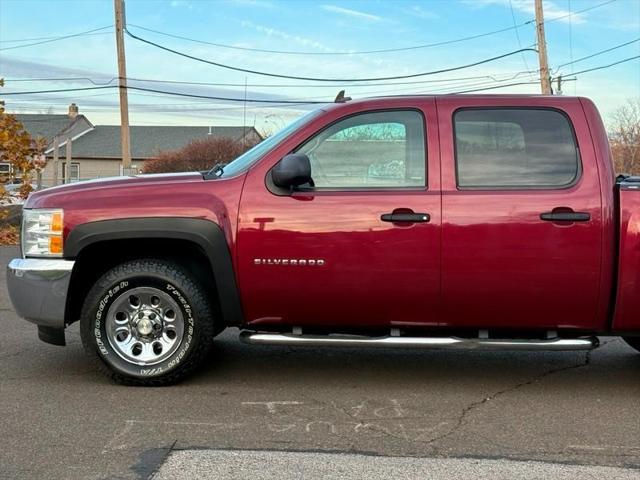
189, 238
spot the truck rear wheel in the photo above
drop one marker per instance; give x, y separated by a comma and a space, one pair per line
634, 342
147, 322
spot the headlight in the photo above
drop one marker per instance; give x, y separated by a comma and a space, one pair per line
42, 232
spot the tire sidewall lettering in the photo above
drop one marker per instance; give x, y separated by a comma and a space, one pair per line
99, 326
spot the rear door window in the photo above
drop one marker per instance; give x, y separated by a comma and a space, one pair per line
515, 148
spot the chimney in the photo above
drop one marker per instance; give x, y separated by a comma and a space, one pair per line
73, 110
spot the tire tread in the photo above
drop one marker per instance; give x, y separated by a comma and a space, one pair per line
197, 299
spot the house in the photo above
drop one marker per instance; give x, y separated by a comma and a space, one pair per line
72, 125
96, 149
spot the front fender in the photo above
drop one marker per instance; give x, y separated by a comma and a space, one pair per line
205, 233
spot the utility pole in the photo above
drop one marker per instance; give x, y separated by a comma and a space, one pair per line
56, 162
125, 138
67, 166
559, 88
545, 78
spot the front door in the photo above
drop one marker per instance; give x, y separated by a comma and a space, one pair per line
359, 248
522, 221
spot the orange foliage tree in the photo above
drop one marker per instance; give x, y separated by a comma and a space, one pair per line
19, 149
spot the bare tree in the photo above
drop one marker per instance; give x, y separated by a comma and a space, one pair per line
198, 155
624, 137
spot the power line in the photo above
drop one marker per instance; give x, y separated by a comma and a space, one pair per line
59, 79
508, 76
283, 102
615, 47
578, 12
315, 79
513, 17
602, 67
64, 37
58, 90
33, 39
307, 101
142, 89
500, 86
228, 99
363, 52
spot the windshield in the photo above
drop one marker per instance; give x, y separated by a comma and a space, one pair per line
251, 156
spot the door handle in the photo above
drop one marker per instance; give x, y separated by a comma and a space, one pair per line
405, 217
565, 216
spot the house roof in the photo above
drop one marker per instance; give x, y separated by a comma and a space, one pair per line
44, 125
49, 126
103, 141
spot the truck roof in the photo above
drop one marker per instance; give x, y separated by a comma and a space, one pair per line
495, 99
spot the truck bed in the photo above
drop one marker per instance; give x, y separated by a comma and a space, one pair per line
627, 304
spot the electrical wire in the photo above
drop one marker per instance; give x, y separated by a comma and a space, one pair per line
602, 67
142, 89
363, 52
509, 76
366, 52
58, 90
513, 17
284, 102
316, 79
578, 12
615, 47
64, 37
60, 79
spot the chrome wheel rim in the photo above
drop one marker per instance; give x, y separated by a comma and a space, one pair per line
144, 326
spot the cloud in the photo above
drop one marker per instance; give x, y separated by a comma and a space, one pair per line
351, 13
252, 3
181, 3
418, 11
273, 32
551, 9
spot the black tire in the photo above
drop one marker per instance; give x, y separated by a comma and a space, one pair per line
633, 342
174, 284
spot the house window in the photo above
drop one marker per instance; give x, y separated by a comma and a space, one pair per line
5, 168
71, 172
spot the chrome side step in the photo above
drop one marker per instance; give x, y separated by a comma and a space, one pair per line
452, 343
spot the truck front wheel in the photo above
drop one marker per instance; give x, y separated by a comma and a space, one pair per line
634, 342
147, 322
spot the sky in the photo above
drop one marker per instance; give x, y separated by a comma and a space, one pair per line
324, 39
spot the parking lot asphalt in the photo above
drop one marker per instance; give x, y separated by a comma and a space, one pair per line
573, 411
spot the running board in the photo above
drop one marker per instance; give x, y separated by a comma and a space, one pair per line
452, 343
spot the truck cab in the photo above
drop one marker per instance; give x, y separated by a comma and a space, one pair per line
410, 222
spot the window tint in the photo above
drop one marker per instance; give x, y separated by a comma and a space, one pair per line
512, 148
376, 149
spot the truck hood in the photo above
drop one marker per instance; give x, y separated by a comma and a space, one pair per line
44, 198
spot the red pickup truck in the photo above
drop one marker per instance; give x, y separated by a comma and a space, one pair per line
412, 222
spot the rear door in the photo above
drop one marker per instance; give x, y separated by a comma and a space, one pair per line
522, 225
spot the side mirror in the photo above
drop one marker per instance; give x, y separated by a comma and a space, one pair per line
293, 170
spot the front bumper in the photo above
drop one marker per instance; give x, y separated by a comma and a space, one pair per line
38, 289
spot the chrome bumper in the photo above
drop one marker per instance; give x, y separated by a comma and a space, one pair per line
38, 289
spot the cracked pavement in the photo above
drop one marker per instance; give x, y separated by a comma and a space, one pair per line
61, 419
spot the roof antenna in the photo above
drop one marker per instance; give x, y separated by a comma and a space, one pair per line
340, 98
